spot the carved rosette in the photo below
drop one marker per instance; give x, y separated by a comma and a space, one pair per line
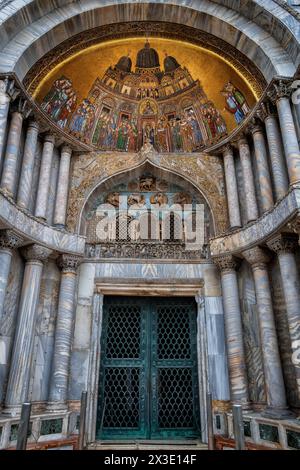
256, 257
10, 240
226, 263
36, 253
283, 243
69, 263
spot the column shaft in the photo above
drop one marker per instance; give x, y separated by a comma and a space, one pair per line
289, 136
9, 174
280, 177
4, 108
5, 261
231, 189
264, 178
44, 178
60, 210
19, 375
248, 180
25, 185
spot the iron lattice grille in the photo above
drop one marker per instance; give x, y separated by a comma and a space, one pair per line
175, 404
148, 384
122, 397
123, 332
173, 332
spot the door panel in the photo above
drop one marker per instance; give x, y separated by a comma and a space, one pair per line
148, 385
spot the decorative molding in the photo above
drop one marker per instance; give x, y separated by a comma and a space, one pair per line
256, 257
69, 263
283, 243
36, 253
10, 239
226, 263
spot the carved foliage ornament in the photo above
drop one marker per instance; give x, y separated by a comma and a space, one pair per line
256, 257
69, 263
226, 263
10, 240
283, 243
36, 253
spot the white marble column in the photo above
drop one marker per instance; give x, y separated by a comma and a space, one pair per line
63, 333
231, 188
60, 210
276, 152
4, 108
275, 389
288, 132
248, 180
11, 158
9, 241
264, 177
44, 178
285, 245
19, 374
233, 331
25, 184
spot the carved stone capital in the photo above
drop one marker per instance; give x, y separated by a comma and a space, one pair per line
242, 141
266, 110
36, 253
283, 243
226, 263
65, 148
68, 263
227, 150
281, 89
7, 86
22, 106
10, 240
256, 257
255, 126
294, 225
49, 138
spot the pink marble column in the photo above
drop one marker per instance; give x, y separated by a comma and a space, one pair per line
231, 188
44, 178
10, 166
60, 210
248, 180
264, 178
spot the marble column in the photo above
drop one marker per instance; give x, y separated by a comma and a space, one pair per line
288, 132
231, 188
10, 165
63, 333
202, 353
4, 108
19, 374
285, 245
275, 389
248, 180
276, 152
60, 210
9, 241
25, 184
233, 331
264, 178
44, 178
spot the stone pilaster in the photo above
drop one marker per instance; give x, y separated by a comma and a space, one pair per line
284, 246
248, 180
44, 178
19, 374
25, 185
233, 330
276, 152
4, 108
231, 188
264, 178
288, 131
275, 389
60, 210
9, 173
63, 333
9, 240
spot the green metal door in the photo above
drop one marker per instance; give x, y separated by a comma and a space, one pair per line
148, 385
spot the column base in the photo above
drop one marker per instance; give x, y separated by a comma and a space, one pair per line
277, 413
56, 406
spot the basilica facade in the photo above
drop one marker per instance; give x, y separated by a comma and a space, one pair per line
149, 221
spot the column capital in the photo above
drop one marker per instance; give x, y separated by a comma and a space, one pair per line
266, 110
281, 89
227, 149
242, 140
255, 126
49, 138
7, 86
66, 148
10, 239
69, 263
33, 124
283, 243
226, 263
36, 253
256, 257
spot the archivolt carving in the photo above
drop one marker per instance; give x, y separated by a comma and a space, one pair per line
204, 171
